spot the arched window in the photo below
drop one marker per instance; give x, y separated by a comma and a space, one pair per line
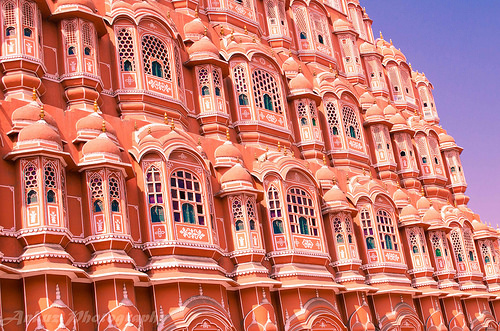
71, 50
239, 226
370, 243
352, 132
243, 100
268, 102
366, 224
460, 259
51, 196
237, 209
301, 212
97, 195
388, 242
188, 213
154, 51
31, 183
187, 197
157, 214
32, 197
50, 183
438, 252
350, 122
320, 39
303, 35
275, 210
125, 42
304, 228
471, 256
115, 206
87, 51
266, 91
9, 18
205, 90
386, 230
27, 32
98, 206
403, 153
415, 249
217, 91
486, 259
155, 194
349, 237
156, 69
114, 194
251, 214
340, 239
240, 84
127, 65
278, 227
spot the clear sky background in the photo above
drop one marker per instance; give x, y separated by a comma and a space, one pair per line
456, 43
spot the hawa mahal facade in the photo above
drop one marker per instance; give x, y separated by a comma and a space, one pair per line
228, 165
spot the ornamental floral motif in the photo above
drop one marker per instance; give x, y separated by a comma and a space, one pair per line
192, 233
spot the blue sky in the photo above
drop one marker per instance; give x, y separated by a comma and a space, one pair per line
457, 45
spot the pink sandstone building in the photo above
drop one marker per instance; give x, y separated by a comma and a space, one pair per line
228, 165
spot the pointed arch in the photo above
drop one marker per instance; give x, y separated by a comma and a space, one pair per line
317, 313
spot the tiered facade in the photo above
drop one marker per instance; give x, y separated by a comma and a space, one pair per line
228, 165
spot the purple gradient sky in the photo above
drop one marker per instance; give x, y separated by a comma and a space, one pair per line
456, 43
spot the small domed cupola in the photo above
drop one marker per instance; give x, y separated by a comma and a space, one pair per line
28, 114
194, 30
236, 179
400, 198
389, 111
366, 100
39, 135
100, 150
335, 201
375, 115
227, 155
203, 49
290, 67
433, 219
325, 176
90, 126
409, 215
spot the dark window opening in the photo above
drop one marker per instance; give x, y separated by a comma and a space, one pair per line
205, 90
32, 197
403, 153
303, 35
51, 196
10, 31
157, 215
156, 69
28, 32
239, 226
277, 226
87, 51
268, 102
98, 206
188, 213
243, 100
217, 91
320, 39
115, 206
127, 65
71, 50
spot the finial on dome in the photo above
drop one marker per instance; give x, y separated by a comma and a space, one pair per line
314, 73
285, 152
149, 130
398, 185
381, 36
290, 52
135, 125
205, 32
279, 146
168, 14
42, 112
221, 30
199, 141
422, 191
96, 107
172, 125
228, 137
165, 118
347, 178
246, 30
324, 159
409, 65
103, 126
300, 69
232, 35
58, 292
34, 94
455, 203
364, 172
330, 67
334, 181
196, 12
390, 40
125, 292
